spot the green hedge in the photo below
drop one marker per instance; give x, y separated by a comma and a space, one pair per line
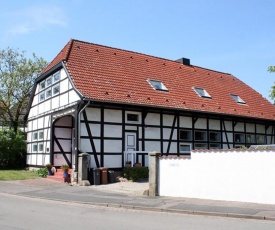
135, 173
12, 150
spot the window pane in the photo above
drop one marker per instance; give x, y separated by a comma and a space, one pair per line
200, 146
200, 136
48, 93
55, 89
56, 77
42, 96
34, 136
186, 135
49, 81
132, 117
214, 136
42, 85
239, 137
250, 138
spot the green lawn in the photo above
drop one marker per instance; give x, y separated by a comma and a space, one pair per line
17, 175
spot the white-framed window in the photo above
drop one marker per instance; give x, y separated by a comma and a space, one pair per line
34, 136
132, 117
185, 135
40, 147
56, 77
214, 136
40, 135
260, 139
200, 146
157, 85
250, 138
42, 85
214, 146
34, 147
48, 93
201, 92
200, 136
56, 89
42, 96
49, 81
239, 138
185, 148
237, 99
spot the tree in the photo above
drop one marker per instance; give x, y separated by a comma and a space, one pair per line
17, 76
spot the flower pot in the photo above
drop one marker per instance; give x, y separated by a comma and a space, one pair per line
50, 172
65, 174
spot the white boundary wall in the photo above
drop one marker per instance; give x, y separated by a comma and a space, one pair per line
231, 175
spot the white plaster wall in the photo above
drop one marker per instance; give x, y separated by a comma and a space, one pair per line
73, 96
39, 159
201, 123
214, 124
47, 105
250, 127
173, 147
228, 126
86, 145
246, 176
269, 130
64, 99
239, 127
152, 119
92, 161
229, 136
112, 131
151, 132
40, 123
33, 159
260, 128
186, 122
55, 102
168, 120
152, 146
112, 146
113, 115
64, 85
167, 133
93, 114
112, 161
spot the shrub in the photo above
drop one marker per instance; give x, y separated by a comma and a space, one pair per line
135, 173
43, 172
12, 149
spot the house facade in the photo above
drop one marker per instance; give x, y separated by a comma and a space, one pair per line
104, 101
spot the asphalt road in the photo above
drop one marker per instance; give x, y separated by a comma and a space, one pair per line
17, 212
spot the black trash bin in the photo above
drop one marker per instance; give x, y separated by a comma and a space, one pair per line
111, 176
91, 176
96, 174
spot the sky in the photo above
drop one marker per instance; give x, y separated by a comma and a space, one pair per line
235, 36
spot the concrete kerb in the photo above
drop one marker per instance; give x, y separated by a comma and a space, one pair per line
151, 209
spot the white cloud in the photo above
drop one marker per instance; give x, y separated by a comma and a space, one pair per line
35, 18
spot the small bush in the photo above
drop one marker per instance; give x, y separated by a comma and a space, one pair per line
43, 172
12, 149
135, 173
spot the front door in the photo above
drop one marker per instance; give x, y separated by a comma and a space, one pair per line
130, 146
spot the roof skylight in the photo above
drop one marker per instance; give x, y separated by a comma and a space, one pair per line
157, 85
237, 99
201, 92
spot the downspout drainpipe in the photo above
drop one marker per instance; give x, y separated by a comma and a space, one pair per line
78, 134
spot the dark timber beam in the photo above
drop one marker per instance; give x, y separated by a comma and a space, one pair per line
171, 135
91, 138
62, 151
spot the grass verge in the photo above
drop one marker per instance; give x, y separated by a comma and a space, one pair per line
6, 175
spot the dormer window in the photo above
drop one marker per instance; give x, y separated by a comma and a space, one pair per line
237, 99
157, 85
201, 92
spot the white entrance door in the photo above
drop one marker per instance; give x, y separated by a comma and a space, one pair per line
130, 146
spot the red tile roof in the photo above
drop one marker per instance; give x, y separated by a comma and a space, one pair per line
115, 75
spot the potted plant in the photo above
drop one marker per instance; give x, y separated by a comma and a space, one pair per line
65, 169
137, 164
49, 168
128, 164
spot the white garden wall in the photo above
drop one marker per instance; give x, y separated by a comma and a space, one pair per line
231, 175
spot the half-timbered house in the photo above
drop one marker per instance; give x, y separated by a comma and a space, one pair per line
104, 101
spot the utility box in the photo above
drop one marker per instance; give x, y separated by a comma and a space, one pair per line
83, 166
104, 175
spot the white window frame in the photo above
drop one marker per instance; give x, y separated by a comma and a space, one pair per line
237, 99
43, 97
39, 147
133, 122
42, 85
49, 79
55, 79
34, 136
157, 85
183, 151
39, 133
34, 145
201, 92
55, 86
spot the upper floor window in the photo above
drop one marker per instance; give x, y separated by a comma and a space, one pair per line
157, 85
42, 85
56, 77
237, 99
201, 92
